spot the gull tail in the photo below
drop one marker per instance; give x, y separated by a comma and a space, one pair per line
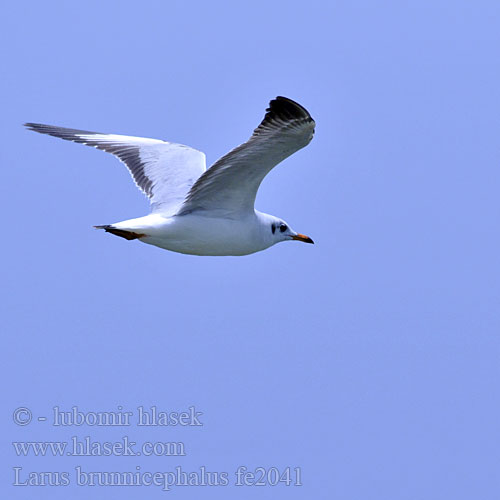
128, 235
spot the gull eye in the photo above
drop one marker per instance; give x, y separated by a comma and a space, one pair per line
273, 228
282, 228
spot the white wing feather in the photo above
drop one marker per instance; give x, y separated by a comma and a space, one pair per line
163, 171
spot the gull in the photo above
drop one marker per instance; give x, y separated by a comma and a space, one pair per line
198, 211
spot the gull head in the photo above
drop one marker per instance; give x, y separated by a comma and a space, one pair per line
279, 230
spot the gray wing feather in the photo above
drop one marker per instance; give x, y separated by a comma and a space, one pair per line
230, 185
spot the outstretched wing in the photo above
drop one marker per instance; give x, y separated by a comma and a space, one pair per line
163, 171
230, 186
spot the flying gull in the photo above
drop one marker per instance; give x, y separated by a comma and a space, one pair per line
199, 211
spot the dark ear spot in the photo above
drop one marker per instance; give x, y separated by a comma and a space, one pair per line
273, 228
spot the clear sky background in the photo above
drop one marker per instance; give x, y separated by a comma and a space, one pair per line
370, 360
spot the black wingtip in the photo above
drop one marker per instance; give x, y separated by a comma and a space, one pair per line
287, 108
38, 127
283, 112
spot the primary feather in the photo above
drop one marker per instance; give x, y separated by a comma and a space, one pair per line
163, 171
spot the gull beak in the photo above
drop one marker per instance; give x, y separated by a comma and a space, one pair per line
302, 237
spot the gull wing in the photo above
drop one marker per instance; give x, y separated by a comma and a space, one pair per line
163, 171
230, 185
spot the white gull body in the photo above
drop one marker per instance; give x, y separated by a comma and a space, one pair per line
198, 211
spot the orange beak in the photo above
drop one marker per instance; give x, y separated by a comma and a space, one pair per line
302, 237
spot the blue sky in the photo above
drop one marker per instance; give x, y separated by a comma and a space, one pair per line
369, 360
